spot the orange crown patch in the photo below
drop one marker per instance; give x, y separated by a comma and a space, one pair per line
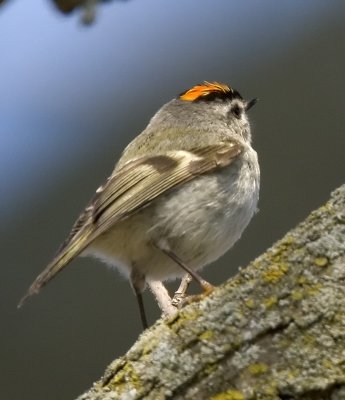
198, 91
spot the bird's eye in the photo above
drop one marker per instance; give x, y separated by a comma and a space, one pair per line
236, 110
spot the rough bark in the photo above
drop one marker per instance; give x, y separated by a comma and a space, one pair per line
274, 331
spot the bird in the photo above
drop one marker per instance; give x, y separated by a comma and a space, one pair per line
178, 198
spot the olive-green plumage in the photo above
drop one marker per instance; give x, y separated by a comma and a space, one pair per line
188, 183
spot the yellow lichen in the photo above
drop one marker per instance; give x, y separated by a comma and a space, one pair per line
127, 375
270, 301
308, 339
207, 335
258, 368
297, 295
281, 248
229, 395
287, 241
301, 280
314, 289
275, 272
321, 261
250, 303
180, 319
328, 364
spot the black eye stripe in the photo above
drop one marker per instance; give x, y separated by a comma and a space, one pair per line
236, 110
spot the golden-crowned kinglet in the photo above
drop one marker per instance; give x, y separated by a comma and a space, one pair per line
180, 196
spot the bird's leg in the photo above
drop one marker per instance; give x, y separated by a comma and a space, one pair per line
180, 294
138, 284
162, 297
161, 245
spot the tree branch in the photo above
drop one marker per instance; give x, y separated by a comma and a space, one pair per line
274, 331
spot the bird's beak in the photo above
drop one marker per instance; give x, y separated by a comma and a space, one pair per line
250, 104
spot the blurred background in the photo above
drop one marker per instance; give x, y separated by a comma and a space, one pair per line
72, 96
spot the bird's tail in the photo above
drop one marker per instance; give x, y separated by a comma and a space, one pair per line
61, 260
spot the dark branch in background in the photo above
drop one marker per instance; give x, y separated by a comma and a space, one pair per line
88, 8
274, 331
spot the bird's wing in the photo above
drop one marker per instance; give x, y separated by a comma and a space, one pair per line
139, 182
132, 188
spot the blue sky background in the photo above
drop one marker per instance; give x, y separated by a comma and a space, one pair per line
60, 79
